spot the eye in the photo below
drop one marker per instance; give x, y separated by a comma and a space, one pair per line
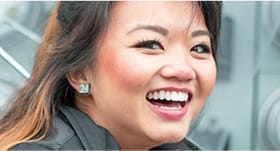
149, 44
201, 49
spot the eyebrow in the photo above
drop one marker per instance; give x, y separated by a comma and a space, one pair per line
156, 28
163, 31
201, 33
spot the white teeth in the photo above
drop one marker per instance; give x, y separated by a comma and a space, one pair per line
177, 106
150, 95
181, 96
155, 96
186, 96
174, 96
169, 96
161, 95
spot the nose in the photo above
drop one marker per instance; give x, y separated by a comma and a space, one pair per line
178, 68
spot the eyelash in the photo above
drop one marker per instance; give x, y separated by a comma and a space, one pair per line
206, 49
148, 44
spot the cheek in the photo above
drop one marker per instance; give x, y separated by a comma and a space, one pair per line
206, 76
124, 72
205, 79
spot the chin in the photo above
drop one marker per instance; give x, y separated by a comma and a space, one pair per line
167, 131
170, 136
176, 138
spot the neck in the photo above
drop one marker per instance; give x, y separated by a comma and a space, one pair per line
127, 138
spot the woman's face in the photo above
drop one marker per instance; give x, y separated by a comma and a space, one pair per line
153, 73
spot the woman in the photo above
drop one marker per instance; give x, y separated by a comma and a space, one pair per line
117, 75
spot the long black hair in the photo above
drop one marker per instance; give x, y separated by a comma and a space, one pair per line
68, 43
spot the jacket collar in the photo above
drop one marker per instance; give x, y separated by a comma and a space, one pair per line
91, 135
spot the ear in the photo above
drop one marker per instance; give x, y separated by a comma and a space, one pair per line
75, 78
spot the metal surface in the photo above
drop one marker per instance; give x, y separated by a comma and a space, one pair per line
270, 121
21, 24
20, 28
18, 67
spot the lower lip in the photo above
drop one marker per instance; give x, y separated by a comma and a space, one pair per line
172, 114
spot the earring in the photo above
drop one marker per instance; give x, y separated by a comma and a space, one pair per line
84, 88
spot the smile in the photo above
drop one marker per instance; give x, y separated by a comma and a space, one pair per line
169, 103
169, 96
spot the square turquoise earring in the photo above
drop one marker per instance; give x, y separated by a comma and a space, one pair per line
84, 88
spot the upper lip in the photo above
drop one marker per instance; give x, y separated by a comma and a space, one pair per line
184, 90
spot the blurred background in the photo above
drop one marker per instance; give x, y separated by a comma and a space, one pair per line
244, 107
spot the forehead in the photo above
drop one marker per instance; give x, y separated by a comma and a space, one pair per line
166, 13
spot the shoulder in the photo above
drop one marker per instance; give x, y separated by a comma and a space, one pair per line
29, 146
61, 137
72, 144
73, 130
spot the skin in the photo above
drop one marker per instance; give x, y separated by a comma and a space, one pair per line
123, 74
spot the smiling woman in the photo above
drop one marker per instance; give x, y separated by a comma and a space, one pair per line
109, 75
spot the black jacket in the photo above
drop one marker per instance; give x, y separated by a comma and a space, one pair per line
74, 130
